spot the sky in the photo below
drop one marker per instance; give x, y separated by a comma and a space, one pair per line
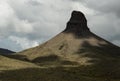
28, 23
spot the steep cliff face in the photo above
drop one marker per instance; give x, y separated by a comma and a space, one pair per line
77, 24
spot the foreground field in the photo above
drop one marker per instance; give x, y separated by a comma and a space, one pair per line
61, 74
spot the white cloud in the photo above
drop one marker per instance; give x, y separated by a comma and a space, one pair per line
5, 14
23, 26
10, 23
81, 7
23, 42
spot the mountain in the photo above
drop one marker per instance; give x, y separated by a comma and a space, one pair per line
75, 45
5, 51
76, 54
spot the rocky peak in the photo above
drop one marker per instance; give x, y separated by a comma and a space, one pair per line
77, 23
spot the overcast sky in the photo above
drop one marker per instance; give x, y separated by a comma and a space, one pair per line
28, 23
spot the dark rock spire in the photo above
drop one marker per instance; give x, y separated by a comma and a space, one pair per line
77, 23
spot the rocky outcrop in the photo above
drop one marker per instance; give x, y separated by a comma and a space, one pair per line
77, 24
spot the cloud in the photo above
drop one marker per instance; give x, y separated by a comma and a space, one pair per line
10, 23
31, 20
106, 6
24, 42
34, 3
26, 23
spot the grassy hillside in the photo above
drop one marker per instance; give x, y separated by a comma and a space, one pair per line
94, 60
11, 64
105, 67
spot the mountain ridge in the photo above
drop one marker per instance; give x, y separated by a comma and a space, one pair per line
6, 51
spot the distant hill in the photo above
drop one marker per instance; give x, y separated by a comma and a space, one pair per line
76, 54
5, 51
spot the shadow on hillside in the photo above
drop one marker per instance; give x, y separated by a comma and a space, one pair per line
107, 49
104, 55
101, 51
17, 57
52, 60
43, 60
48, 58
